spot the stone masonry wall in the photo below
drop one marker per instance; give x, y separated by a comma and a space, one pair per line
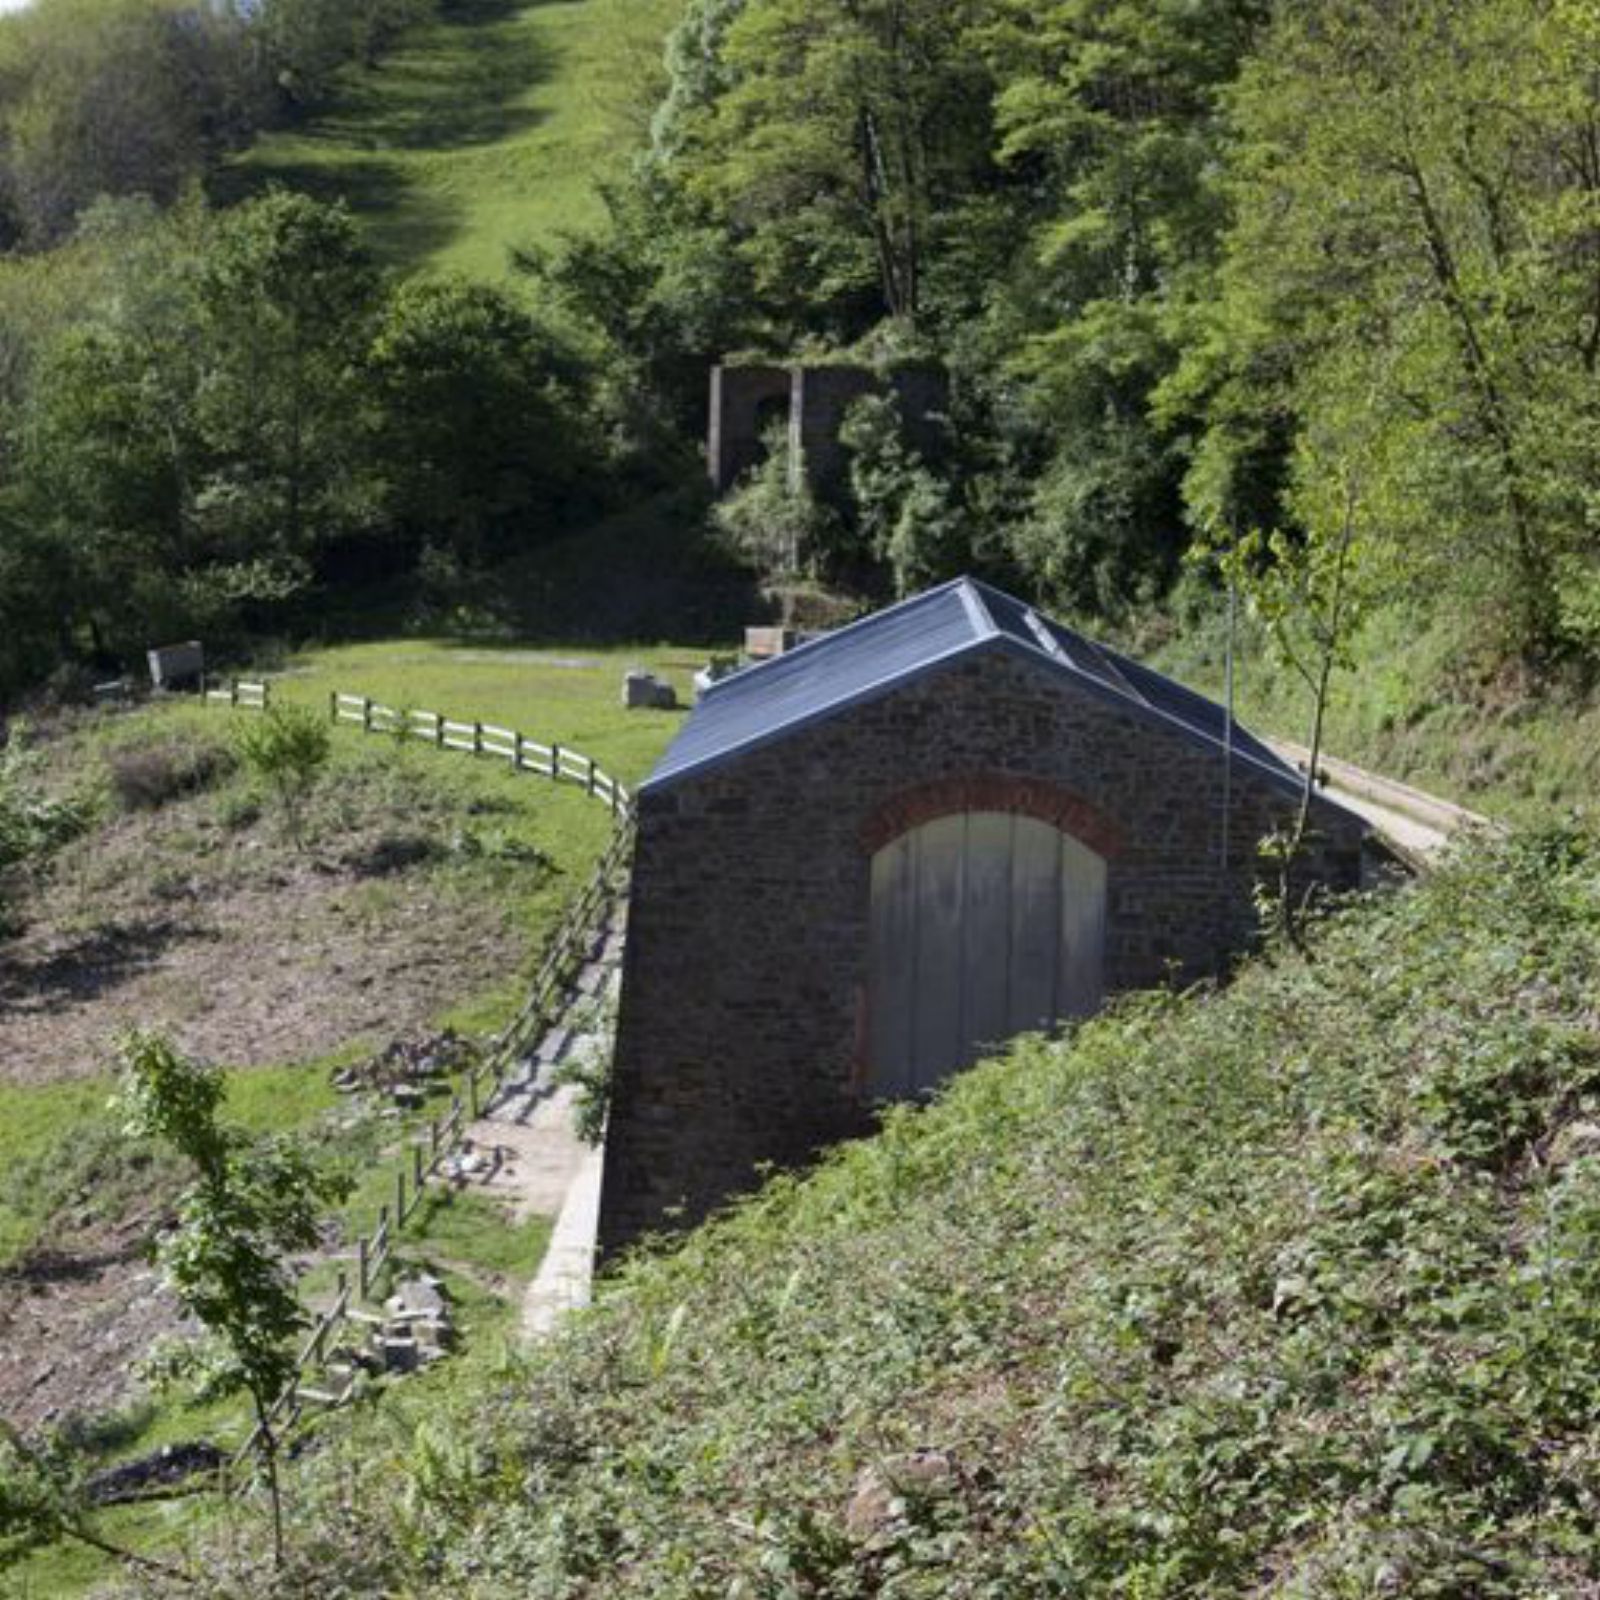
742, 1016
814, 400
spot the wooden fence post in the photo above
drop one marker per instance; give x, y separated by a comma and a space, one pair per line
363, 1276
419, 1171
555, 762
589, 777
366, 715
333, 705
400, 1197
233, 692
477, 738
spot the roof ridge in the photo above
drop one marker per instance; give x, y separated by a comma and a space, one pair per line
829, 635
1036, 626
978, 612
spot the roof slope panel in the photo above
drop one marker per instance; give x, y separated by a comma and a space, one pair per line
890, 647
822, 677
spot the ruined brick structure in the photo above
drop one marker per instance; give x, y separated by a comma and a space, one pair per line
811, 401
744, 1031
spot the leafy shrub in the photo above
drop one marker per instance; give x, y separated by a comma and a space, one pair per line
773, 521
908, 516
287, 748
32, 823
152, 773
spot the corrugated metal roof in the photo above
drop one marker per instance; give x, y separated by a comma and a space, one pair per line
886, 649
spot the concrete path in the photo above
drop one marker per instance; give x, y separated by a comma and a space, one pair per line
1420, 826
544, 1169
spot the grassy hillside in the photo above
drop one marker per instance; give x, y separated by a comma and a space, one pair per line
1415, 703
488, 128
1290, 1290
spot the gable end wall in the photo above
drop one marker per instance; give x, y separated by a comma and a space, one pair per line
740, 1030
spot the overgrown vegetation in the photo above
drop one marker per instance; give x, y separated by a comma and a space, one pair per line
1285, 1289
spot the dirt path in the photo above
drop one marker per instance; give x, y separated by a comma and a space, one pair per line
1419, 825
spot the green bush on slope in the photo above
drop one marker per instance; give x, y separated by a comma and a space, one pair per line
1289, 1289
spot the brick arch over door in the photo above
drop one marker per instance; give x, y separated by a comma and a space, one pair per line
984, 924
1041, 798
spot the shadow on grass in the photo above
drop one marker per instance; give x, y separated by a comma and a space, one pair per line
402, 222
455, 85
91, 965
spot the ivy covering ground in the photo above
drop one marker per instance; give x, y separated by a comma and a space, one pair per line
1291, 1289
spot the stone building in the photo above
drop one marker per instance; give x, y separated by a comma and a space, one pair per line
810, 402
863, 863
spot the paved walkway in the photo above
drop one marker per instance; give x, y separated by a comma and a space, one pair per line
1419, 825
545, 1169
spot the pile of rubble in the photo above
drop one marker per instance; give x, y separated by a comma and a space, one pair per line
406, 1070
414, 1329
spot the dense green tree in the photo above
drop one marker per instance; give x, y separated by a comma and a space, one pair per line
92, 102
844, 132
1109, 113
1417, 239
476, 408
696, 72
285, 301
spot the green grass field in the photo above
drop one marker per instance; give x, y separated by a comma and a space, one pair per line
487, 129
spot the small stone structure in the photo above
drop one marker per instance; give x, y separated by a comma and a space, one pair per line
811, 402
177, 666
867, 860
644, 691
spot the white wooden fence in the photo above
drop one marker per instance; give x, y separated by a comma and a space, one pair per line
565, 953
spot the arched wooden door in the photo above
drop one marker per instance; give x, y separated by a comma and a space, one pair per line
984, 925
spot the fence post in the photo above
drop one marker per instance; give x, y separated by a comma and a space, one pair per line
363, 1275
400, 1198
419, 1171
589, 777
333, 705
477, 738
433, 1138
233, 692
555, 763
366, 715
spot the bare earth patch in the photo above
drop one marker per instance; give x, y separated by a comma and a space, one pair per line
198, 917
71, 1323
255, 956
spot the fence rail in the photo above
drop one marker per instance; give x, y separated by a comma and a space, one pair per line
245, 693
565, 952
553, 761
